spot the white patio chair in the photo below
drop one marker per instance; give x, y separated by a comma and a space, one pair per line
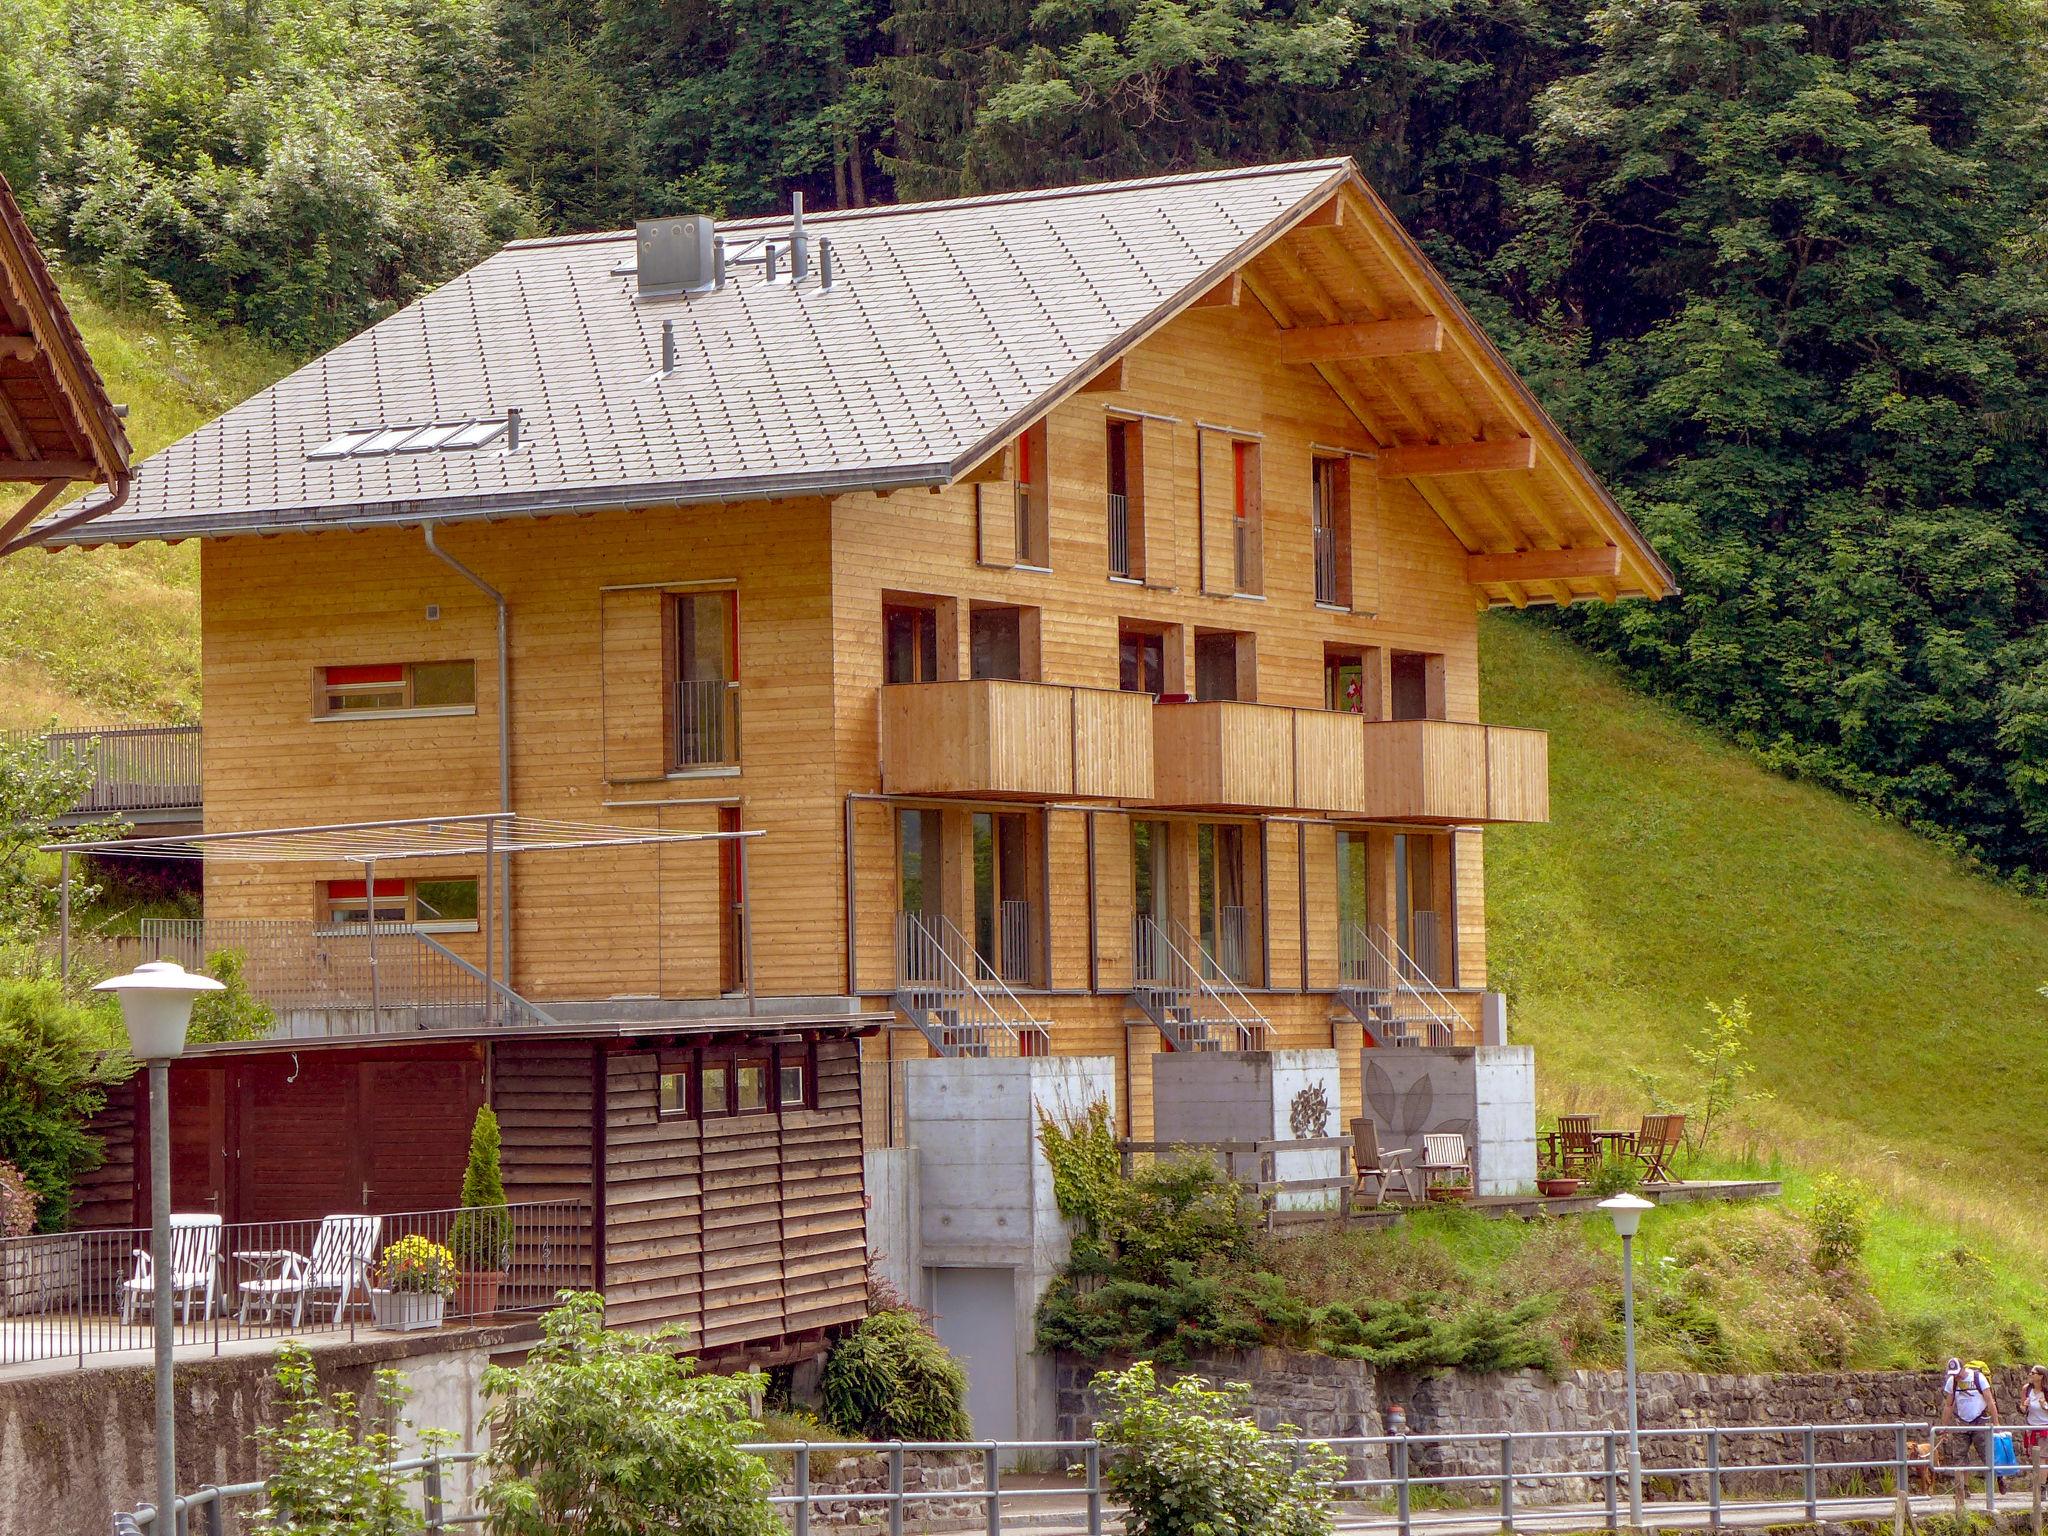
195, 1256
1443, 1153
339, 1262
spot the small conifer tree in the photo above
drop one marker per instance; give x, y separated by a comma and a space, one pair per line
482, 1234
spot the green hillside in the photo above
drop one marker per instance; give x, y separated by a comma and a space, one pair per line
1894, 993
93, 637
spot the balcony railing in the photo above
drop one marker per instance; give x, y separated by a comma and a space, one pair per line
1226, 945
1243, 575
145, 768
1326, 566
1452, 771
1019, 925
707, 723
1119, 535
67, 1296
1028, 740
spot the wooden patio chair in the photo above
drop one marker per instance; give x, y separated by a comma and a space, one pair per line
1380, 1166
1443, 1154
1578, 1146
1657, 1143
340, 1262
195, 1256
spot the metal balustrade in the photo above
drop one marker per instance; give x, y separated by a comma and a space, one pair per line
1195, 1006
1119, 535
955, 998
1388, 991
135, 768
707, 723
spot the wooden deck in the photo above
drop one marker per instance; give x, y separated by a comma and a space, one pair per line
1526, 1206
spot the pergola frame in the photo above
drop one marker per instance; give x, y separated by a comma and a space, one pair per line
490, 834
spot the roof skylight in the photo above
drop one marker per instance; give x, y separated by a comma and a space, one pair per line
443, 436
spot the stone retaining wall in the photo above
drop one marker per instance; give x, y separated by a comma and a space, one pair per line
834, 1478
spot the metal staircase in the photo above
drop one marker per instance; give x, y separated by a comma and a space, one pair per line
955, 998
1196, 1007
1382, 987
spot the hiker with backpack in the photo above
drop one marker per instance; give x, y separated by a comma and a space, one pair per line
1969, 1404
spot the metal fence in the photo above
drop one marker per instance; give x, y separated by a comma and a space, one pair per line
707, 723
1738, 1475
134, 767
1326, 566
68, 1296
1119, 535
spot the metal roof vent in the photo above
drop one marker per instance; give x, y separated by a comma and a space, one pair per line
677, 255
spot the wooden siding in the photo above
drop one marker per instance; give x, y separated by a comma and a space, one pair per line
1224, 755
1448, 771
1028, 740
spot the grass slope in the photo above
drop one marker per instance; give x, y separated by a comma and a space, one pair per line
1894, 993
112, 635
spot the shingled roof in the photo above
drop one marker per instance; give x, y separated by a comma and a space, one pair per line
946, 328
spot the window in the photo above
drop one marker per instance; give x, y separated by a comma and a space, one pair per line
432, 906
1330, 513
398, 687
910, 644
1033, 538
1002, 642
1141, 661
1246, 516
714, 1086
1222, 665
703, 660
792, 1089
1351, 682
1006, 872
447, 436
1417, 686
920, 863
1222, 905
674, 1094
750, 1084
1126, 506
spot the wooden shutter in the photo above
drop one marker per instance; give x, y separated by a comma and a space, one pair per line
635, 686
1361, 489
995, 506
1219, 512
1159, 501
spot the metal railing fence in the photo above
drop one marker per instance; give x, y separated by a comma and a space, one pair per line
68, 1296
134, 767
1119, 535
955, 997
1396, 989
1811, 1471
707, 723
1196, 995
1326, 566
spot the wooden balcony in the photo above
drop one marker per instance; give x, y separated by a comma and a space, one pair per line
1449, 771
1027, 741
1224, 755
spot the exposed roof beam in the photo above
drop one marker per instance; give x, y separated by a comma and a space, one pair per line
31, 509
1329, 215
1223, 296
1367, 338
1108, 382
995, 467
1412, 460
15, 431
47, 469
1543, 564
17, 346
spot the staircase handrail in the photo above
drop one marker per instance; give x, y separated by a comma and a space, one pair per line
1251, 1029
987, 972
956, 981
1402, 972
516, 1003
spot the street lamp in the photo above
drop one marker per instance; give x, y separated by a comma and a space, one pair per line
156, 1005
1626, 1211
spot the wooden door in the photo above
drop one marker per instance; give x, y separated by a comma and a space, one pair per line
415, 1115
296, 1152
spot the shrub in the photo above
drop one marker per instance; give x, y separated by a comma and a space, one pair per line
419, 1265
1837, 1219
1188, 1463
482, 1234
1087, 1168
17, 1203
55, 1067
606, 1433
1617, 1173
891, 1379
324, 1463
232, 1014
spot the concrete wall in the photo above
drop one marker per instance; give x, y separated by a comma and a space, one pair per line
1487, 1094
893, 1248
77, 1444
1254, 1096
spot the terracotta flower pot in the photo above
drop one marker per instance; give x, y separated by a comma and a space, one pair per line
1558, 1188
1450, 1194
476, 1292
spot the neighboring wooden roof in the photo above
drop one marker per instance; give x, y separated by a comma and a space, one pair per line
947, 328
57, 425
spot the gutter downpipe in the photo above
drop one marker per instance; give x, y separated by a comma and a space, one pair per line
504, 890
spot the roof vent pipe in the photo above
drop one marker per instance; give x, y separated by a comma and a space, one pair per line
511, 428
799, 242
668, 346
825, 263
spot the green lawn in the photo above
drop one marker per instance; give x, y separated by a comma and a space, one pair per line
108, 635
1894, 993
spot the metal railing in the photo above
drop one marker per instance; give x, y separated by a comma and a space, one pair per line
1326, 565
1390, 992
955, 997
1018, 926
1242, 552
707, 723
68, 1296
1119, 535
134, 767
1226, 951
1191, 1006
1741, 1475
323, 979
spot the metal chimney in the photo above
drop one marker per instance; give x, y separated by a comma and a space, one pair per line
676, 255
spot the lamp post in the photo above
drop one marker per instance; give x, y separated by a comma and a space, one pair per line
156, 1005
1626, 1211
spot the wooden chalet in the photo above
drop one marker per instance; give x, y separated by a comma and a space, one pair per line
57, 426
1076, 590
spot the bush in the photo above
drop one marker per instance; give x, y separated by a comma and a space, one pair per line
607, 1433
55, 1066
324, 1463
1617, 1174
234, 1013
482, 1234
1838, 1220
891, 1379
1188, 1463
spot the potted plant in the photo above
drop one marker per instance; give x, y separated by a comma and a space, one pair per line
410, 1287
482, 1235
1452, 1191
1553, 1183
